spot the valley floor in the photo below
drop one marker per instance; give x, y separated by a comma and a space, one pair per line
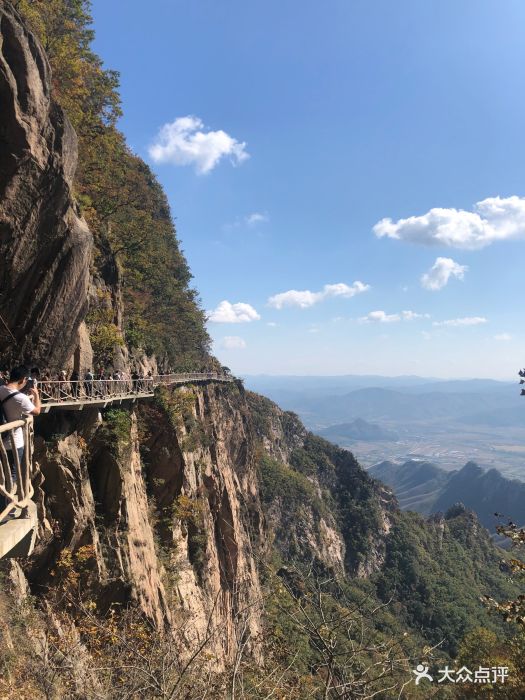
449, 447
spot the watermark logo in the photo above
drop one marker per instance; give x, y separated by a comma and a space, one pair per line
483, 674
422, 672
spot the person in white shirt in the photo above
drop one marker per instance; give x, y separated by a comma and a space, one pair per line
16, 404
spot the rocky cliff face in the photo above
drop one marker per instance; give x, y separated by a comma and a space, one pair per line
45, 245
177, 502
166, 497
201, 475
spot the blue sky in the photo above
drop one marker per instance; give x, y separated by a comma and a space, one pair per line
311, 122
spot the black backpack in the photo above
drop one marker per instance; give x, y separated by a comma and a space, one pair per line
3, 417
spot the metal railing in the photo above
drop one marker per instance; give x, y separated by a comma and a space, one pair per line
16, 473
96, 390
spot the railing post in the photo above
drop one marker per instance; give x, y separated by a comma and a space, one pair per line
18, 492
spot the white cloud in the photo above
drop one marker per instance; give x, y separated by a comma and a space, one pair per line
440, 273
305, 299
380, 317
251, 220
426, 335
383, 317
233, 313
256, 218
185, 142
504, 337
233, 342
467, 321
294, 298
272, 324
493, 219
412, 316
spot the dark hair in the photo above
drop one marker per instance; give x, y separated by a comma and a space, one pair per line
17, 374
35, 370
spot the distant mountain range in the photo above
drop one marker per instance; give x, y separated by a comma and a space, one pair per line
324, 401
379, 404
425, 488
358, 429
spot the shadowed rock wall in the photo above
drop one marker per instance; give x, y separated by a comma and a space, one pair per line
45, 246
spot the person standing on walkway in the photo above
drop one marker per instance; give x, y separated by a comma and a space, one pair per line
63, 384
88, 382
74, 383
15, 404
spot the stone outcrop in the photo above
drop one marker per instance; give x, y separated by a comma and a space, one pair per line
45, 245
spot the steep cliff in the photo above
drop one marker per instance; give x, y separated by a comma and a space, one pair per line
156, 505
45, 245
88, 253
166, 497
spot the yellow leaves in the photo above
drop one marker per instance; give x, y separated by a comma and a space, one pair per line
104, 334
71, 568
188, 509
325, 633
513, 532
85, 553
179, 405
78, 80
517, 565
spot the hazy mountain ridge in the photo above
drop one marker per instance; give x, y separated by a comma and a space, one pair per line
376, 404
416, 485
328, 400
425, 488
358, 429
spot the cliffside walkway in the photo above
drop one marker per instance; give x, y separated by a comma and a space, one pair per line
18, 513
75, 395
